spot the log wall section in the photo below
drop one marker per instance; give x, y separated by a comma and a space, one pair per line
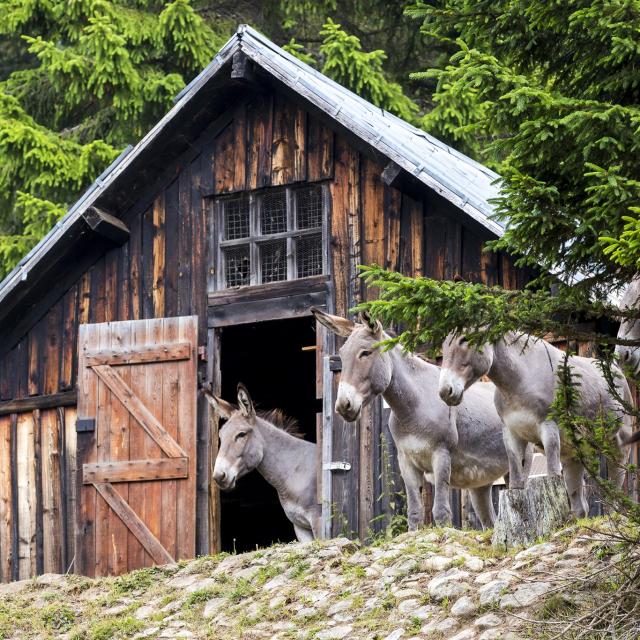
161, 271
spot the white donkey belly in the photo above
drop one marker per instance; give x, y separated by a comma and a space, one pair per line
419, 451
524, 424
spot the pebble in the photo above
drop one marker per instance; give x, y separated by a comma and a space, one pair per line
491, 592
525, 595
488, 620
464, 607
335, 633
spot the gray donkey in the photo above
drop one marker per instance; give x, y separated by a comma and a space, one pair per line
264, 441
630, 328
524, 370
462, 448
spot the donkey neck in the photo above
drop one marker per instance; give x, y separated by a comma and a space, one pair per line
514, 359
406, 388
281, 457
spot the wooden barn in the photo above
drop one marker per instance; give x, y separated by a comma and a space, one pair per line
193, 260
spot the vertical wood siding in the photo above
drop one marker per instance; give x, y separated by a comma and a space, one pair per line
163, 270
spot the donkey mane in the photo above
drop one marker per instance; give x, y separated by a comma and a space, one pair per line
285, 423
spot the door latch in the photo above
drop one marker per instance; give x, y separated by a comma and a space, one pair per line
337, 466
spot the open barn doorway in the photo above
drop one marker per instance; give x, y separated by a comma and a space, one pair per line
276, 361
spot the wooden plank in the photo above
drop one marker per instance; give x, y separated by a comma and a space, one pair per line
35, 361
64, 399
135, 470
170, 419
111, 285
148, 260
392, 213
259, 136
138, 441
37, 466
70, 495
300, 144
137, 354
138, 410
103, 454
366, 498
339, 242
214, 375
6, 506
489, 268
435, 242
84, 299
67, 376
185, 244
159, 262
471, 256
411, 237
135, 268
239, 147
354, 221
373, 223
152, 395
417, 237
172, 232
200, 241
123, 310
51, 493
186, 491
224, 160
283, 142
27, 505
319, 150
133, 523
15, 508
106, 225
119, 453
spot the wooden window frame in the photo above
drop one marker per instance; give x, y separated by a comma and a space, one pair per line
256, 238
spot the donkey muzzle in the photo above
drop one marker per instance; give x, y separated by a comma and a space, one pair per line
223, 479
348, 402
451, 387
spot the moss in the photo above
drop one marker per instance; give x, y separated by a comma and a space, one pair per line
112, 628
241, 590
57, 617
202, 595
136, 580
299, 569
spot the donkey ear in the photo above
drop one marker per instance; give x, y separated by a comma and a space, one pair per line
245, 403
374, 325
340, 326
222, 407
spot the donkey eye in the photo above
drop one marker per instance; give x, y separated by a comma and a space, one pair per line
242, 434
364, 354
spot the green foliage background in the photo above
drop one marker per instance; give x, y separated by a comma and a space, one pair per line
80, 80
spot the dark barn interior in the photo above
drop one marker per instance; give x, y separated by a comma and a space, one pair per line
268, 358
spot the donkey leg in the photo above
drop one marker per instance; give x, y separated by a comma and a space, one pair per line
516, 455
303, 535
413, 481
441, 462
550, 437
574, 481
483, 505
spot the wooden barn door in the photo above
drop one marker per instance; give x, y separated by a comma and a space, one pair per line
136, 444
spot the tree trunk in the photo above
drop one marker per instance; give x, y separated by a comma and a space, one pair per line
527, 514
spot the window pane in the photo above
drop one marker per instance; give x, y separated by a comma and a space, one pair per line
273, 260
236, 218
309, 256
274, 213
237, 269
309, 208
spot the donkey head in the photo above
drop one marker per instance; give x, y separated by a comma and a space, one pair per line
462, 365
241, 445
366, 369
629, 356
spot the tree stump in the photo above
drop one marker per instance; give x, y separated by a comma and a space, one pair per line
526, 514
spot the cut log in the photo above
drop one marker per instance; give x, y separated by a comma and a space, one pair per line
524, 515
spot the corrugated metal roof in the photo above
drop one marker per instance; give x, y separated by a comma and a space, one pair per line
465, 183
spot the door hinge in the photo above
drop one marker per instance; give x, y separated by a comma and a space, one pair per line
85, 424
337, 466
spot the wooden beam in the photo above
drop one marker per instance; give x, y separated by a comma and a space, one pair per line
139, 355
242, 68
130, 518
135, 470
139, 411
52, 401
106, 225
391, 174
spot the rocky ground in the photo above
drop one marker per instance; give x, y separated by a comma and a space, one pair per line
436, 583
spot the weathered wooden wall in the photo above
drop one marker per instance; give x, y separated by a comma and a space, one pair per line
162, 271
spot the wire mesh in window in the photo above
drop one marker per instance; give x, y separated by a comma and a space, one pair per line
237, 266
236, 218
273, 261
309, 208
274, 213
309, 256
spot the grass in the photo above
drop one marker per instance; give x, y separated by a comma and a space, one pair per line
57, 617
112, 628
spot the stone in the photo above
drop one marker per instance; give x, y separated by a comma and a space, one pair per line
436, 563
198, 585
147, 633
493, 634
340, 606
145, 612
277, 602
409, 605
472, 563
424, 612
525, 595
544, 548
527, 514
488, 620
249, 573
440, 626
229, 565
212, 607
307, 612
401, 568
335, 633
275, 583
395, 635
465, 634
182, 581
464, 607
491, 592
51, 579
448, 585
401, 594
